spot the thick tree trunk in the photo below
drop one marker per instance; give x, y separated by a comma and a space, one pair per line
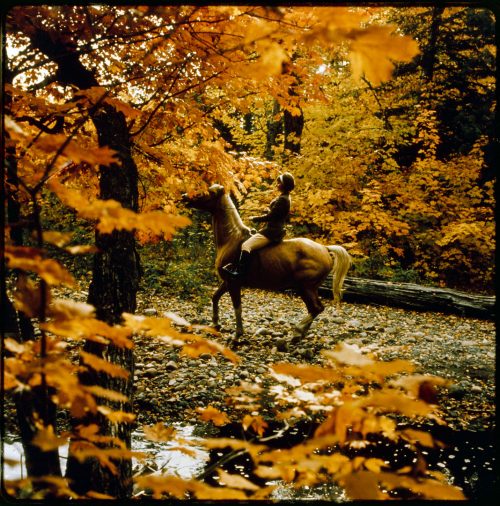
115, 275
414, 297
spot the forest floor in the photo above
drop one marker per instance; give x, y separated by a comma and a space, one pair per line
170, 386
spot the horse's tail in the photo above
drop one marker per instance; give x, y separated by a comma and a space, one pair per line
341, 264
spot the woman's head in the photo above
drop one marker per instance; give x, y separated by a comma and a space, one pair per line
286, 182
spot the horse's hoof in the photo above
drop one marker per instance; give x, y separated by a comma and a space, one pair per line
296, 338
282, 345
238, 340
216, 327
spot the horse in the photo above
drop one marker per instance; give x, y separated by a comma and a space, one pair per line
298, 263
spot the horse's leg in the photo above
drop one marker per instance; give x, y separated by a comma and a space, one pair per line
314, 308
221, 290
235, 293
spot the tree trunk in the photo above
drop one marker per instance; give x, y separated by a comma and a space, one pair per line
414, 297
273, 130
115, 274
430, 50
293, 131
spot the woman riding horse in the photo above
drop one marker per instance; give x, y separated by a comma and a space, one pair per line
273, 231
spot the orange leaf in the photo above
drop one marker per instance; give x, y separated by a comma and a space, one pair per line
106, 393
211, 414
46, 440
100, 364
116, 416
49, 270
257, 423
159, 432
235, 481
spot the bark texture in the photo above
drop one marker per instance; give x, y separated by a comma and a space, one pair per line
414, 297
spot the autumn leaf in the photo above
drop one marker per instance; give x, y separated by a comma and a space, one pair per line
100, 364
235, 481
58, 239
349, 355
308, 373
46, 440
374, 49
257, 423
159, 432
211, 414
48, 269
117, 416
28, 295
106, 393
82, 249
97, 155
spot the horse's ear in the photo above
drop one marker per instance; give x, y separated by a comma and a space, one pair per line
216, 189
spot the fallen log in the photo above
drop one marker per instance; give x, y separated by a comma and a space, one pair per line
413, 296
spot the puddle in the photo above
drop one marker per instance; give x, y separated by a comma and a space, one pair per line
162, 457
165, 458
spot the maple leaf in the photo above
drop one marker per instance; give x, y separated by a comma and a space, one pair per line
257, 423
349, 354
235, 481
106, 393
159, 432
46, 439
308, 373
100, 364
49, 270
117, 416
211, 414
374, 48
59, 239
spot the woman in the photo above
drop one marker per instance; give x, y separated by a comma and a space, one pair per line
272, 232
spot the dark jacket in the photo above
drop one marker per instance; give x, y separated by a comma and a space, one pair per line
276, 218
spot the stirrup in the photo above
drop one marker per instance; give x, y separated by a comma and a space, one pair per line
231, 270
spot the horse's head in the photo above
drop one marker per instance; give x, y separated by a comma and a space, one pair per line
205, 201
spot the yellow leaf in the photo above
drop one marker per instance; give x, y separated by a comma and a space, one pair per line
81, 249
161, 485
211, 414
374, 464
48, 269
27, 297
92, 329
46, 440
13, 346
307, 373
349, 355
257, 423
100, 364
66, 309
59, 239
159, 432
116, 416
235, 481
373, 50
123, 107
106, 393
418, 436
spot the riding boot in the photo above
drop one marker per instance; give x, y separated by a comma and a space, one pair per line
239, 269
